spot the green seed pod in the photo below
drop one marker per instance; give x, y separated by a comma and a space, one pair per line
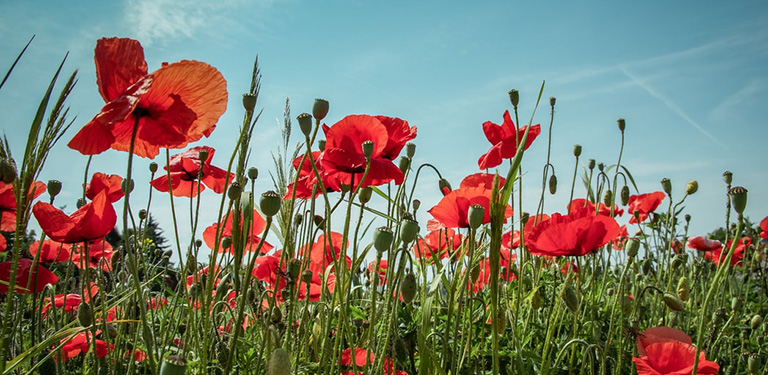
718, 316
249, 102
624, 195
444, 186
416, 204
203, 155
684, 288
194, 290
673, 302
85, 314
608, 198
577, 150
692, 187
305, 123
294, 267
536, 300
408, 288
276, 316
622, 124
409, 229
728, 177
365, 195
404, 164
677, 261
320, 109
475, 215
152, 167
591, 164
755, 322
127, 186
54, 187
666, 184
318, 220
514, 97
600, 167
736, 304
552, 184
234, 191
173, 365
401, 352
253, 173
368, 149
570, 297
321, 145
632, 246
306, 276
8, 171
382, 239
410, 150
270, 203
754, 364
738, 199
226, 242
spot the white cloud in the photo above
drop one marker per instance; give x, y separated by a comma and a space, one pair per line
730, 104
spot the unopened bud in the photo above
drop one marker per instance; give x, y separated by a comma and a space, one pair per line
85, 314
203, 155
577, 150
226, 242
80, 202
632, 246
306, 276
673, 302
552, 184
600, 167
622, 124
684, 288
152, 167
318, 220
234, 191
142, 214
536, 301
736, 304
127, 186
514, 97
368, 149
552, 101
570, 297
382, 239
404, 164
54, 187
738, 199
253, 173
728, 177
8, 171
666, 184
320, 109
591, 164
305, 123
409, 229
249, 102
608, 198
270, 203
444, 186
365, 195
476, 215
755, 322
408, 288
692, 187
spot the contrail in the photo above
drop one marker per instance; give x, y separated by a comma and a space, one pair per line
671, 105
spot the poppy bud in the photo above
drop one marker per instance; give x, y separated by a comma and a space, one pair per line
577, 150
600, 167
626, 305
666, 184
85, 314
692, 187
677, 261
736, 304
632, 246
673, 302
194, 290
755, 322
8, 171
54, 187
444, 186
320, 109
591, 164
718, 316
226, 242
127, 186
198, 243
624, 195
536, 301
552, 184
410, 150
321, 145
270, 203
416, 204
524, 217
368, 149
305, 123
608, 198
622, 124
684, 288
754, 363
738, 199
408, 288
276, 316
80, 202
152, 167
409, 229
365, 195
298, 219
234, 191
552, 101
294, 266
382, 239
253, 173
570, 297
173, 365
404, 163
318, 220
306, 276
246, 203
279, 363
728, 177
203, 155
476, 215
514, 97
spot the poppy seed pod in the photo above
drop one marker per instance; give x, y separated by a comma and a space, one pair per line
202, 155
754, 364
321, 145
570, 297
738, 199
249, 101
444, 186
536, 300
226, 242
305, 123
368, 149
622, 124
728, 177
410, 149
382, 239
514, 97
85, 314
666, 184
673, 302
692, 187
632, 246
320, 109
552, 184
608, 198
404, 163
475, 215
600, 167
755, 322
416, 204
270, 203
8, 171
736, 304
684, 288
365, 195
253, 173
624, 195
127, 185
54, 187
318, 220
577, 150
234, 191
552, 101
173, 365
279, 362
409, 229
306, 276
591, 164
408, 288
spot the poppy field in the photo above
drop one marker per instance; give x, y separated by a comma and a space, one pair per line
339, 269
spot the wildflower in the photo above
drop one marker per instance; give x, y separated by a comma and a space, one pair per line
80, 343
575, 234
437, 244
601, 209
69, 302
453, 208
254, 232
177, 104
484, 277
92, 221
644, 204
504, 139
511, 239
764, 228
99, 255
50, 251
111, 183
183, 170
304, 186
703, 244
379, 269
8, 204
664, 350
25, 272
717, 255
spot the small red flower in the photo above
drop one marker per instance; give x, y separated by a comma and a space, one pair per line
37, 275
644, 204
504, 139
80, 343
576, 234
380, 270
50, 251
307, 179
323, 255
511, 240
704, 244
764, 228
177, 104
254, 232
505, 272
579, 203
69, 302
111, 183
8, 204
437, 244
717, 255
92, 221
184, 170
156, 303
99, 255
668, 351
453, 208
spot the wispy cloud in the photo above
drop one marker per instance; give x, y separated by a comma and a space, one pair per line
671, 105
733, 102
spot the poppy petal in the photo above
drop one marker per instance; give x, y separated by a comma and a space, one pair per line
119, 63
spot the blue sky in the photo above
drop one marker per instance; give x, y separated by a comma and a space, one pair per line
691, 80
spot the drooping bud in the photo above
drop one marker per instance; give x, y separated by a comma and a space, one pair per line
738, 199
270, 203
404, 163
692, 187
368, 149
524, 217
318, 220
684, 288
85, 314
475, 215
409, 229
536, 301
632, 246
608, 198
306, 276
514, 97
382, 239
249, 102
127, 186
552, 184
253, 173
173, 365
203, 155
234, 191
600, 167
622, 124
305, 123
226, 242
198, 243
718, 316
320, 109
416, 204
410, 150
570, 297
365, 195
577, 150
728, 177
736, 304
8, 171
276, 316
408, 288
624, 195
673, 302
54, 187
444, 186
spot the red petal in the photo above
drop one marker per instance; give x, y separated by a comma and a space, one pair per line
119, 63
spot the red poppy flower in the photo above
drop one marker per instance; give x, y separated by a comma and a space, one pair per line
25, 272
184, 170
50, 251
619, 242
3, 244
452, 210
511, 239
111, 183
200, 274
360, 357
579, 203
99, 255
177, 104
717, 255
380, 270
255, 231
92, 221
504, 139
764, 228
660, 334
343, 160
267, 268
323, 255
437, 244
156, 303
701, 243
307, 179
673, 358
481, 180
576, 234
505, 273
644, 204
69, 302
80, 343
8, 204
